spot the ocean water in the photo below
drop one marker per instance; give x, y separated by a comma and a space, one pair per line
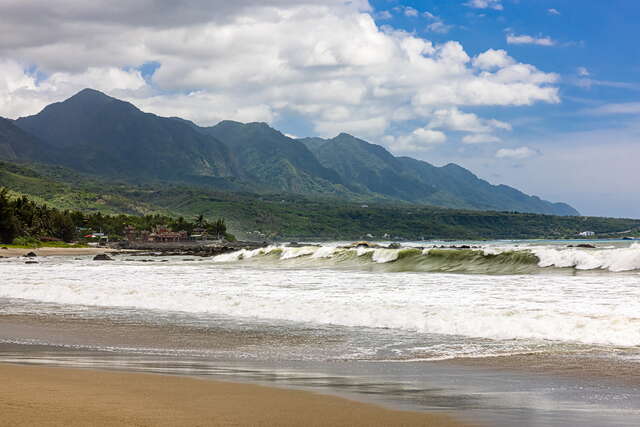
420, 304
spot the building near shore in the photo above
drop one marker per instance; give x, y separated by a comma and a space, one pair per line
162, 234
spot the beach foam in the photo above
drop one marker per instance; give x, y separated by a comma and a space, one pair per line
596, 309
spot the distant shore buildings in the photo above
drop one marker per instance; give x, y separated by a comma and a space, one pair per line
587, 234
162, 234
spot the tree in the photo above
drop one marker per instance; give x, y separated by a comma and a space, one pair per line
9, 226
219, 228
200, 221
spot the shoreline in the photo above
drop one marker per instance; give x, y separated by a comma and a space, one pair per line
75, 396
44, 251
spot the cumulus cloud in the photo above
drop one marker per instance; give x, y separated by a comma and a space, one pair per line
456, 120
526, 39
553, 11
515, 153
485, 4
492, 59
420, 139
237, 60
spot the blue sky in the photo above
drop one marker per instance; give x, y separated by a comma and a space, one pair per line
541, 95
596, 53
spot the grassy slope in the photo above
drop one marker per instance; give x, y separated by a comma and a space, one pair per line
290, 216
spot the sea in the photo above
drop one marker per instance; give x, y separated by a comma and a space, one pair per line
534, 333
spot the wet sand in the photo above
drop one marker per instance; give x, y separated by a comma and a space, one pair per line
77, 397
72, 330
592, 366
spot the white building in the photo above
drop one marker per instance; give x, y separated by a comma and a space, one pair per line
587, 234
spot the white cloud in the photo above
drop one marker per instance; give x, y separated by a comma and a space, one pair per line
420, 139
553, 11
515, 153
456, 120
480, 138
437, 25
342, 72
485, 4
385, 14
411, 12
492, 59
525, 39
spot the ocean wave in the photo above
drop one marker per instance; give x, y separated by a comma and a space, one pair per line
487, 260
600, 310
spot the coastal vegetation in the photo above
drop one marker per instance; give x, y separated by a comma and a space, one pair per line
26, 223
108, 206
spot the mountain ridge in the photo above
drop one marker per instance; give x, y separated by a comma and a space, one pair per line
94, 133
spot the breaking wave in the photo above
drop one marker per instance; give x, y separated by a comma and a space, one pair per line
490, 260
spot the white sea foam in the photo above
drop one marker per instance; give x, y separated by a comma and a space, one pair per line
289, 253
324, 252
615, 260
595, 309
385, 255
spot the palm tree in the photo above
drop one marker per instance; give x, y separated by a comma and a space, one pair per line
219, 228
200, 222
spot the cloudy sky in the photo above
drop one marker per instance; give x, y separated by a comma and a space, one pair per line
543, 95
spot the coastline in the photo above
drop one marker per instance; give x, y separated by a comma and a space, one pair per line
100, 398
44, 251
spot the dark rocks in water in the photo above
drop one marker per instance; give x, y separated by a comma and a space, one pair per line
4, 247
583, 245
102, 257
394, 246
31, 255
188, 259
301, 245
459, 247
31, 262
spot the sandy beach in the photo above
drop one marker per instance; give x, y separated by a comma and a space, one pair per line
15, 252
76, 397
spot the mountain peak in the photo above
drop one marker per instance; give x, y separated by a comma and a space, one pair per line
89, 95
91, 92
345, 135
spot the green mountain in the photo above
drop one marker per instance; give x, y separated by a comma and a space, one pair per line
96, 134
369, 167
103, 135
16, 144
271, 159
